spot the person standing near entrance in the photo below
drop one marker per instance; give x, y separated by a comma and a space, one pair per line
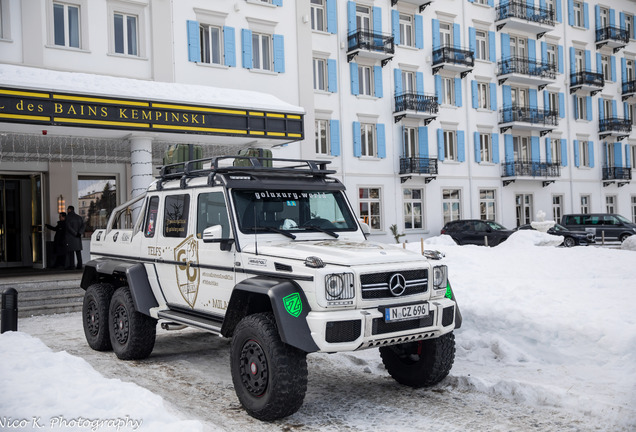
59, 240
74, 231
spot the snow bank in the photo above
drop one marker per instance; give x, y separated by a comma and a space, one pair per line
443, 240
526, 238
629, 243
60, 391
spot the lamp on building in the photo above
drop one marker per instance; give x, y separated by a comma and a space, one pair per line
61, 204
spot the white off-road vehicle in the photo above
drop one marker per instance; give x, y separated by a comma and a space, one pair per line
267, 252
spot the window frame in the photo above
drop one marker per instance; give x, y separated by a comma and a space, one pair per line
555, 151
584, 154
320, 125
410, 142
406, 29
581, 112
448, 91
448, 205
366, 81
482, 45
585, 201
411, 218
450, 145
557, 207
610, 204
578, 10
368, 149
485, 147
127, 8
486, 203
318, 10
369, 200
126, 34
257, 51
319, 68
82, 30
483, 95
202, 28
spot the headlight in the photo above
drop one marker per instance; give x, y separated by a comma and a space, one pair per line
339, 287
439, 277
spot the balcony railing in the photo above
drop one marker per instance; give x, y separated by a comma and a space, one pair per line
525, 66
529, 115
371, 41
426, 104
417, 165
458, 56
629, 87
612, 33
517, 9
617, 173
587, 78
615, 124
531, 169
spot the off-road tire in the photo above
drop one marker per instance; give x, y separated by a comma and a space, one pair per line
132, 334
422, 363
270, 377
95, 316
569, 242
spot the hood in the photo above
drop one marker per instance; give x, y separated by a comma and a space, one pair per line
337, 252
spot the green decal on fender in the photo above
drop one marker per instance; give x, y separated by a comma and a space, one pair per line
293, 304
449, 293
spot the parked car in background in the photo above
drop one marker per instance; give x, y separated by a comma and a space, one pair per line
610, 226
477, 232
570, 237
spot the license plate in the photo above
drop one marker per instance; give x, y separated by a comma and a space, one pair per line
406, 312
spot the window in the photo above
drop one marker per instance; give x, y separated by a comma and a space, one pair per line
413, 205
446, 34
629, 68
410, 142
552, 55
210, 41
550, 6
608, 108
483, 95
629, 25
370, 207
485, 147
578, 14
211, 211
487, 204
125, 31
66, 25
585, 204
97, 198
605, 67
150, 224
555, 151
481, 47
318, 15
322, 137
584, 154
610, 204
406, 30
367, 137
320, 74
553, 100
523, 203
363, 18
631, 114
557, 208
634, 209
451, 204
261, 51
522, 148
448, 91
581, 108
632, 149
175, 216
483, 2
408, 82
518, 47
604, 15
365, 80
450, 145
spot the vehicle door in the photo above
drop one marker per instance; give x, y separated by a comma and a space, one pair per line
472, 234
612, 226
145, 240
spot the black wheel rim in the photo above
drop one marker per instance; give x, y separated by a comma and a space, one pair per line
253, 368
92, 318
569, 242
121, 324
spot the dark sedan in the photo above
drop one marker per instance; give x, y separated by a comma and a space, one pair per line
570, 238
477, 232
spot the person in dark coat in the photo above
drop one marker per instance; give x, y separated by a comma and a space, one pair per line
59, 240
74, 231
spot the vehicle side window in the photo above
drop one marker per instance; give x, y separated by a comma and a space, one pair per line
610, 220
211, 210
480, 226
175, 216
151, 217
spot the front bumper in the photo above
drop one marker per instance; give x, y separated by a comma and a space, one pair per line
351, 330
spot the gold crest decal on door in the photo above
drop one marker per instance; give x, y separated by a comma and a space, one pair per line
187, 252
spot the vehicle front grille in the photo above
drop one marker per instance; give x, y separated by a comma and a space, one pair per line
376, 285
343, 331
381, 327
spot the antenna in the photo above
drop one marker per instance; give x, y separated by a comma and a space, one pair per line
255, 230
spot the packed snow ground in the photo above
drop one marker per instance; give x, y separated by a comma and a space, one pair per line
548, 343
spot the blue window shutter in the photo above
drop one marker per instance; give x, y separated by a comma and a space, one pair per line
472, 39
334, 137
532, 51
246, 45
507, 96
377, 20
461, 146
477, 147
599, 64
458, 92
473, 85
505, 46
471, 1
229, 46
397, 78
561, 105
628, 156
422, 141
491, 3
626, 109
395, 26
548, 153
351, 17
357, 140
571, 12
618, 154
612, 18
332, 17
332, 73
381, 140
614, 108
419, 32
436, 36
495, 148
597, 13
544, 52
577, 157
589, 108
588, 60
559, 11
613, 67
564, 152
586, 16
624, 70
355, 85
533, 99
456, 36
492, 50
440, 144
509, 148
419, 83
438, 88
621, 21
377, 81
572, 60
194, 49
591, 150
279, 53
535, 150
546, 100
601, 109
277, 2
576, 106
560, 51
493, 97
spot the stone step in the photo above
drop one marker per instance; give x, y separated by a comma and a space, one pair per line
44, 296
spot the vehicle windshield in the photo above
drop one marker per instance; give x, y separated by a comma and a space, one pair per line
558, 227
284, 211
495, 225
623, 219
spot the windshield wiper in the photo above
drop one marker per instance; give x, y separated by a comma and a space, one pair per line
326, 231
276, 230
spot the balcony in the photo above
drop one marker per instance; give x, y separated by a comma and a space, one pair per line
629, 90
619, 175
614, 127
372, 45
612, 37
514, 170
524, 71
454, 59
519, 16
420, 3
417, 106
586, 81
426, 167
526, 118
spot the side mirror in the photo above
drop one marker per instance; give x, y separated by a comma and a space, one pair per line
214, 234
365, 229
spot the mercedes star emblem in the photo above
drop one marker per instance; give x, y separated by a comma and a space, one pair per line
397, 284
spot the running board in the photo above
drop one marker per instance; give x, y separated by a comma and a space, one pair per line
206, 324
